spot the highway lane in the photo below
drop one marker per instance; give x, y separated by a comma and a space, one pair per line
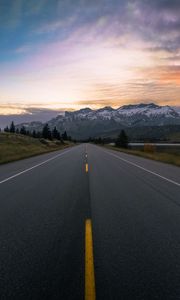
42, 216
136, 225
135, 217
13, 168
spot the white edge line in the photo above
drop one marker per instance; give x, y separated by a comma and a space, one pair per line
151, 172
29, 169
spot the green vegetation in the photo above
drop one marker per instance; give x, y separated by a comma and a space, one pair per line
17, 146
163, 153
45, 132
166, 156
122, 140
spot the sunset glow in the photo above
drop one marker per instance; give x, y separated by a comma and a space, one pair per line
68, 55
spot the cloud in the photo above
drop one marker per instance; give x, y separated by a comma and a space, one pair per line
175, 58
170, 74
55, 25
67, 51
19, 109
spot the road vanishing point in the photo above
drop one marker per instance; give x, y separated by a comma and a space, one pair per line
89, 223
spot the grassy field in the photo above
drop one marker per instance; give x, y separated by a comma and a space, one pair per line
170, 157
14, 147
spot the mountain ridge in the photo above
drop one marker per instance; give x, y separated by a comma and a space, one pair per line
87, 122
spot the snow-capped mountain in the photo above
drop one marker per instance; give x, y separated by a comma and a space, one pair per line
87, 122
177, 109
129, 115
148, 114
149, 110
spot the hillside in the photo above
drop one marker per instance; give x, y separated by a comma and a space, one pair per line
14, 147
169, 133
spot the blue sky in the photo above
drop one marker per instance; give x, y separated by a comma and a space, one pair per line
76, 53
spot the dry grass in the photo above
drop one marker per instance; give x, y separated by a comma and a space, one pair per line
150, 148
15, 147
170, 158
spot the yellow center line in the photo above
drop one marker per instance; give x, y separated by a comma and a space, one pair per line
87, 168
90, 292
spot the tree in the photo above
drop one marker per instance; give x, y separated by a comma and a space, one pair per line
38, 134
34, 135
17, 130
46, 133
64, 136
100, 140
55, 134
58, 136
122, 140
12, 127
23, 130
6, 129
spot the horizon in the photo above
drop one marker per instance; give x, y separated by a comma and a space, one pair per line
35, 114
66, 56
8, 110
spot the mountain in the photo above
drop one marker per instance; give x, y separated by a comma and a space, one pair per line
177, 109
29, 115
86, 122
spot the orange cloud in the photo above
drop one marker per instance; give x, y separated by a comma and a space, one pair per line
170, 75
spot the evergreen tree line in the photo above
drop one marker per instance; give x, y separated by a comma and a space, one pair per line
121, 141
46, 133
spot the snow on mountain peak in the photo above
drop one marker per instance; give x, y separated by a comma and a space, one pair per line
107, 118
149, 110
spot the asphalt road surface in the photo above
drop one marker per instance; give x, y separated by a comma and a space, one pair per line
133, 205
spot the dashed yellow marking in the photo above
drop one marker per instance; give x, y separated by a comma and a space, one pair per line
87, 168
90, 292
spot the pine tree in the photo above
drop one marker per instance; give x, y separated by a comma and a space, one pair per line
17, 130
46, 133
99, 140
23, 130
64, 136
55, 133
38, 134
12, 127
6, 129
122, 140
34, 135
58, 136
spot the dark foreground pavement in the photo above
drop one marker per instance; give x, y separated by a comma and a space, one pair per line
134, 205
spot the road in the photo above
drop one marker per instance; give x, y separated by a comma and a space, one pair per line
133, 208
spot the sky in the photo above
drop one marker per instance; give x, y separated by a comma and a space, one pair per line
70, 54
